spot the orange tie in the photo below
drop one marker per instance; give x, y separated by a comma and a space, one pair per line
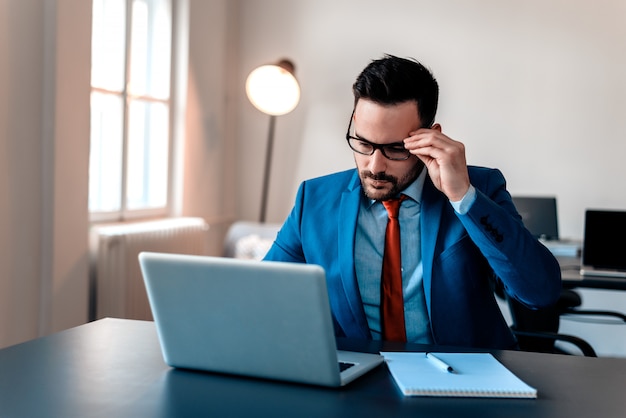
391, 301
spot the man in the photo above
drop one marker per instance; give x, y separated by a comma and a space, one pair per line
460, 232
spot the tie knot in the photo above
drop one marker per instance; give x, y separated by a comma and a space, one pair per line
393, 206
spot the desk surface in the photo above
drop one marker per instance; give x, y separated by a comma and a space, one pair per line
113, 368
571, 278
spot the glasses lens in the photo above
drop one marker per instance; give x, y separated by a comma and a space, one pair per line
359, 146
395, 152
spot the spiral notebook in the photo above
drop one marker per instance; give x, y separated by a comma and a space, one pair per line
464, 375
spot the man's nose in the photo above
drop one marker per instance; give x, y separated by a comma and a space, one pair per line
377, 162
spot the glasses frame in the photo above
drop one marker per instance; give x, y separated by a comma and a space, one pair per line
381, 147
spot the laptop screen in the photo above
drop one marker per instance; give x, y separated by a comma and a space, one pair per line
539, 215
604, 244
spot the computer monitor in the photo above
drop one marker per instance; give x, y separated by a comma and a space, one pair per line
603, 242
539, 215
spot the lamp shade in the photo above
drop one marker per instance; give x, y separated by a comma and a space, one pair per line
273, 89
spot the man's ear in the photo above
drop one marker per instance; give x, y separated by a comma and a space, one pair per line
436, 127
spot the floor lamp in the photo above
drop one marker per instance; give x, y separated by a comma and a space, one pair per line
274, 90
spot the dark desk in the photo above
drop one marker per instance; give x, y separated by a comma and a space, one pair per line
570, 268
113, 368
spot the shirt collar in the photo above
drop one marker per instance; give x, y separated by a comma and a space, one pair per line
414, 190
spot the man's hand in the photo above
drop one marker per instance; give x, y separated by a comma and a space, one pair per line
444, 159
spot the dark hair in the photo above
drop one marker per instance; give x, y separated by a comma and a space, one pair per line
392, 80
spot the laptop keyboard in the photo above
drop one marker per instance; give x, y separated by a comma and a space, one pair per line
344, 366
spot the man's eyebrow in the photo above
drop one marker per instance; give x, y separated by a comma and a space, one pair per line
393, 144
357, 136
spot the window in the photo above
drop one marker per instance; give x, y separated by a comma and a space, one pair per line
130, 109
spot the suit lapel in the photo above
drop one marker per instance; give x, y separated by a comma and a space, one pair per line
432, 208
353, 319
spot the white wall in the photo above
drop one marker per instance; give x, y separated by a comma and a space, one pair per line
21, 72
210, 163
44, 130
65, 164
535, 88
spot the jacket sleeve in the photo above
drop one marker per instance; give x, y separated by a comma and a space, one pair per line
288, 243
526, 268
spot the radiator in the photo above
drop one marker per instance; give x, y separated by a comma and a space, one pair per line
117, 287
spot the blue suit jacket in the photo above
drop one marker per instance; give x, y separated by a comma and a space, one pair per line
461, 256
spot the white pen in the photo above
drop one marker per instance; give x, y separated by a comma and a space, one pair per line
439, 363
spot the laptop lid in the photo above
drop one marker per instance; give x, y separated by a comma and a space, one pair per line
539, 215
604, 247
261, 319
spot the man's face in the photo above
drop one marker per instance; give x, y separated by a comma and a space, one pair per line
382, 178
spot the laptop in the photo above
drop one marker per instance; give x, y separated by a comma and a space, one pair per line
604, 244
250, 318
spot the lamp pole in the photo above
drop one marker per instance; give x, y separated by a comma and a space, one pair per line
268, 165
274, 90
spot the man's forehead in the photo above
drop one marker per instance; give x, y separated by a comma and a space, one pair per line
369, 115
408, 108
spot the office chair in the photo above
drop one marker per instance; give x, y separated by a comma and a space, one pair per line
538, 329
569, 303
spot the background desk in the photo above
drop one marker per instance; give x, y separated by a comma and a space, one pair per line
113, 368
570, 268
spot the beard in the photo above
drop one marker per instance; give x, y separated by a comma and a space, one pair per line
383, 186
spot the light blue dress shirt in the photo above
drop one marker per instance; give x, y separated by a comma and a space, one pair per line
369, 248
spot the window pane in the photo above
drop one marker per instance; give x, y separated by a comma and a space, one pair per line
150, 49
148, 150
108, 44
130, 121
105, 156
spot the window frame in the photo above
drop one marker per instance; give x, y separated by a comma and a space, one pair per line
126, 97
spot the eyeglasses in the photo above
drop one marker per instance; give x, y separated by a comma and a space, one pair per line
394, 151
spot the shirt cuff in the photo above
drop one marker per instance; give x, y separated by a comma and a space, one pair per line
463, 206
